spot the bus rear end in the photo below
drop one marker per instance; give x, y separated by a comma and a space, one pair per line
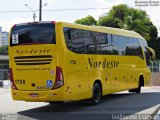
34, 73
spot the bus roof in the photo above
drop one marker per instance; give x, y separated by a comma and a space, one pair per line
103, 29
109, 30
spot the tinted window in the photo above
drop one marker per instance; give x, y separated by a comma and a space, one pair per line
129, 48
133, 47
67, 36
119, 45
33, 33
91, 42
90, 45
109, 45
137, 50
144, 44
147, 55
77, 38
79, 41
103, 41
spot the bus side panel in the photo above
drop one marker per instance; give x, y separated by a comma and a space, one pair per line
76, 77
72, 85
109, 83
123, 78
146, 75
83, 87
96, 75
131, 79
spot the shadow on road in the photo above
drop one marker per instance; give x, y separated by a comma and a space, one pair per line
121, 103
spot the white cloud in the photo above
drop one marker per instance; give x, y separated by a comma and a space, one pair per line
153, 12
51, 1
6, 25
97, 12
154, 15
104, 4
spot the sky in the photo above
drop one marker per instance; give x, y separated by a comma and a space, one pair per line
8, 19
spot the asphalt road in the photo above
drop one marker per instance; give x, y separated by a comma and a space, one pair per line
111, 107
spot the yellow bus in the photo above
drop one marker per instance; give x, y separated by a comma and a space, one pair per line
59, 61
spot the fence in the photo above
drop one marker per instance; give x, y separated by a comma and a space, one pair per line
4, 83
4, 74
155, 66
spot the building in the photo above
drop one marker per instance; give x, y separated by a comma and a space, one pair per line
0, 29
4, 67
4, 59
3, 38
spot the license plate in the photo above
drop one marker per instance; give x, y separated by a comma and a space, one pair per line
34, 95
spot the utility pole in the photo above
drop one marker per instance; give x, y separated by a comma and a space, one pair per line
40, 10
34, 12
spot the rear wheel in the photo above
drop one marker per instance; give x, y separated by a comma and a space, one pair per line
56, 103
137, 90
96, 94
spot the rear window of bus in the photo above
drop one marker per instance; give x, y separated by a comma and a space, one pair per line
36, 33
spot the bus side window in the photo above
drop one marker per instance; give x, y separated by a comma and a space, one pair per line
115, 45
146, 53
118, 45
77, 37
90, 45
109, 44
101, 42
79, 41
67, 37
137, 48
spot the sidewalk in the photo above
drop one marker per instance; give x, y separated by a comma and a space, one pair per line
148, 114
157, 117
5, 83
152, 113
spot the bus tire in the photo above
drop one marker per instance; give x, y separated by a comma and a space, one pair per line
96, 93
138, 90
56, 103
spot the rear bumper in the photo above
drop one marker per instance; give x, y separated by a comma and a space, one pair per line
43, 96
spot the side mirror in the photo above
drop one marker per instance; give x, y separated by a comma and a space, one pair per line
151, 52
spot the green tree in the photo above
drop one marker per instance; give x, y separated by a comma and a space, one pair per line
89, 20
115, 17
155, 44
124, 17
4, 50
109, 22
154, 32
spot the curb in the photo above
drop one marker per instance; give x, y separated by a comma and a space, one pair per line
5, 87
148, 114
157, 114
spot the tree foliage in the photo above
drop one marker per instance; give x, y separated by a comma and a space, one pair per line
155, 44
124, 17
4, 50
89, 20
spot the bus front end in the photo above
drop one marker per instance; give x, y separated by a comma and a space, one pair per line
34, 73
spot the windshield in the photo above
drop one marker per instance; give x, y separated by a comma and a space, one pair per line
36, 33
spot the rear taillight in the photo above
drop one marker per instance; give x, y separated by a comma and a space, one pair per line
53, 22
13, 86
59, 82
